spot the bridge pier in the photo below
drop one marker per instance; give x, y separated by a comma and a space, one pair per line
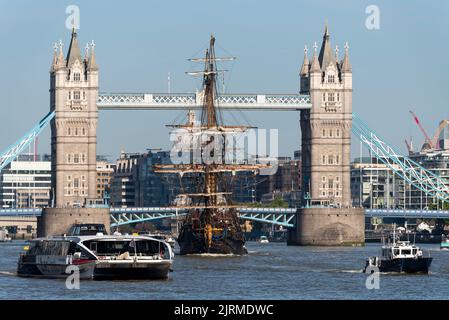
57, 221
328, 227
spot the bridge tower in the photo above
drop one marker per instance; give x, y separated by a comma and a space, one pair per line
327, 216
73, 95
326, 128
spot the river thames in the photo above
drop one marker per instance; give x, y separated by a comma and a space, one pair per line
271, 271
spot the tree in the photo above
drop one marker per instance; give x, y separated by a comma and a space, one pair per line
278, 202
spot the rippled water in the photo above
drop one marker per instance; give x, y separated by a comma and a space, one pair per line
271, 271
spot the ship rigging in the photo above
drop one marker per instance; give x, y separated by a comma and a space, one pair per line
212, 225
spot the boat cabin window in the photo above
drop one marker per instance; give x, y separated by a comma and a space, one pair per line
49, 248
93, 246
415, 251
87, 229
140, 247
395, 252
75, 247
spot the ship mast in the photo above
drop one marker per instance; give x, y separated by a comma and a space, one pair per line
212, 222
211, 124
209, 119
209, 116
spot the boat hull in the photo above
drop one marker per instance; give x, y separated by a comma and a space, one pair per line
86, 270
131, 270
404, 265
192, 243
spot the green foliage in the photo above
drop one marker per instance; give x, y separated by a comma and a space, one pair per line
434, 206
278, 202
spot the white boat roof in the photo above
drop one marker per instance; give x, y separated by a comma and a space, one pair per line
100, 238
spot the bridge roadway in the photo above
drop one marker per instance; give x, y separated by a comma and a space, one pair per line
184, 101
121, 216
278, 216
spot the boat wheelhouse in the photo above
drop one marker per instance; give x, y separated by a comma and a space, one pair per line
90, 229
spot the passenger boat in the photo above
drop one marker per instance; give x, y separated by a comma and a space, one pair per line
263, 239
400, 256
444, 245
4, 236
97, 257
129, 257
52, 257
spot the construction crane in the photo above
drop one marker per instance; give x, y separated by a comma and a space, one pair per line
428, 140
409, 145
435, 141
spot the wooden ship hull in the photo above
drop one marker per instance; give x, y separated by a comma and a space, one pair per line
211, 231
191, 242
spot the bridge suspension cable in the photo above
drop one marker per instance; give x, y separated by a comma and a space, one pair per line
10, 153
418, 176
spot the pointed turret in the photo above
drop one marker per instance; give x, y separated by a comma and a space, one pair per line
74, 52
315, 67
54, 62
86, 53
92, 63
305, 64
61, 54
326, 56
346, 65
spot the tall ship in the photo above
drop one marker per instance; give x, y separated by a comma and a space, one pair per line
212, 224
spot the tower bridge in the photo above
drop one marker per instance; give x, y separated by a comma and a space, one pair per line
326, 119
324, 101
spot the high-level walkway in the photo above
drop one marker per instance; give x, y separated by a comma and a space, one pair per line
183, 101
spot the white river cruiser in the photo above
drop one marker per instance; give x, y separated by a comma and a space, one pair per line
98, 257
263, 239
4, 235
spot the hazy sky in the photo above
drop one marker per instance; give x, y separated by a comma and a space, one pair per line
402, 66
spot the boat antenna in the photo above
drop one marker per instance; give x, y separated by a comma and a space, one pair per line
394, 232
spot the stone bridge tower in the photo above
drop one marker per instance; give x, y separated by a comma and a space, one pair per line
326, 128
73, 95
327, 217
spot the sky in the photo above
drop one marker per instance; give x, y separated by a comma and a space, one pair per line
401, 66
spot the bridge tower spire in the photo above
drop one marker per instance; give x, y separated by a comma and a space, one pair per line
73, 96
